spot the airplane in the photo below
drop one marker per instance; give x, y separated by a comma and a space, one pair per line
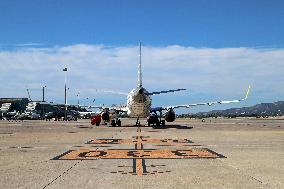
139, 104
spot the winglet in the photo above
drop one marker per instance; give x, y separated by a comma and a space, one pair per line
247, 93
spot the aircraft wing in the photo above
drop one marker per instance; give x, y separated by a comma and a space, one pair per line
111, 92
201, 104
166, 91
92, 107
121, 108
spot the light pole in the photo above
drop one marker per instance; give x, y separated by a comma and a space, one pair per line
65, 93
43, 87
78, 97
43, 112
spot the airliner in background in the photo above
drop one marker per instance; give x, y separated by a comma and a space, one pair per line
139, 105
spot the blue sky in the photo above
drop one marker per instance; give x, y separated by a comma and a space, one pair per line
213, 48
198, 23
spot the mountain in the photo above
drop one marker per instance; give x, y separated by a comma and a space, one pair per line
263, 109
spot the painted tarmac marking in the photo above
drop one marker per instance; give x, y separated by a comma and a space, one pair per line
139, 154
61, 175
110, 141
139, 166
86, 154
168, 142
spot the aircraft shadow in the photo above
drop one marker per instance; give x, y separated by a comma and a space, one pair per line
173, 127
162, 127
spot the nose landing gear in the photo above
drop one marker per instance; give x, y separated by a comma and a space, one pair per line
137, 122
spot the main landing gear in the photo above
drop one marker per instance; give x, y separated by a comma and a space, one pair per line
156, 121
116, 122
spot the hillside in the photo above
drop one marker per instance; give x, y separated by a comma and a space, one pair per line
263, 109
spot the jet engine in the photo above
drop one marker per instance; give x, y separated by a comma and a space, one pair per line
170, 115
105, 116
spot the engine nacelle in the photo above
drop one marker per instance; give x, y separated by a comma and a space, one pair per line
105, 116
170, 116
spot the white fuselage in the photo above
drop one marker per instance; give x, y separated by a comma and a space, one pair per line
138, 103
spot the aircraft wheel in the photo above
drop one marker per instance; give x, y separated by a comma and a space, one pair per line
154, 126
113, 124
158, 124
118, 123
98, 123
163, 122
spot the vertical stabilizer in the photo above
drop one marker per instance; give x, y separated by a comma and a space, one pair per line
139, 68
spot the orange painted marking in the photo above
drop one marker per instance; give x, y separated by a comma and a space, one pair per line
170, 141
140, 139
138, 143
139, 154
139, 167
111, 141
85, 154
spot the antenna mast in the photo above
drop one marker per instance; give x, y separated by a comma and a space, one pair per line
29, 94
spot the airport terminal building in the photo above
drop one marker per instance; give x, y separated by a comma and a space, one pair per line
13, 104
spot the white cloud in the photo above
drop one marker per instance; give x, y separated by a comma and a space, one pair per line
206, 72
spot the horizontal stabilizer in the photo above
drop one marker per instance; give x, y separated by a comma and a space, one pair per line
166, 91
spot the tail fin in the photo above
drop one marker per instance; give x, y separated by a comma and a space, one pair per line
139, 68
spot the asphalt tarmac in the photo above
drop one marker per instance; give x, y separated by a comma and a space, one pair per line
218, 153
